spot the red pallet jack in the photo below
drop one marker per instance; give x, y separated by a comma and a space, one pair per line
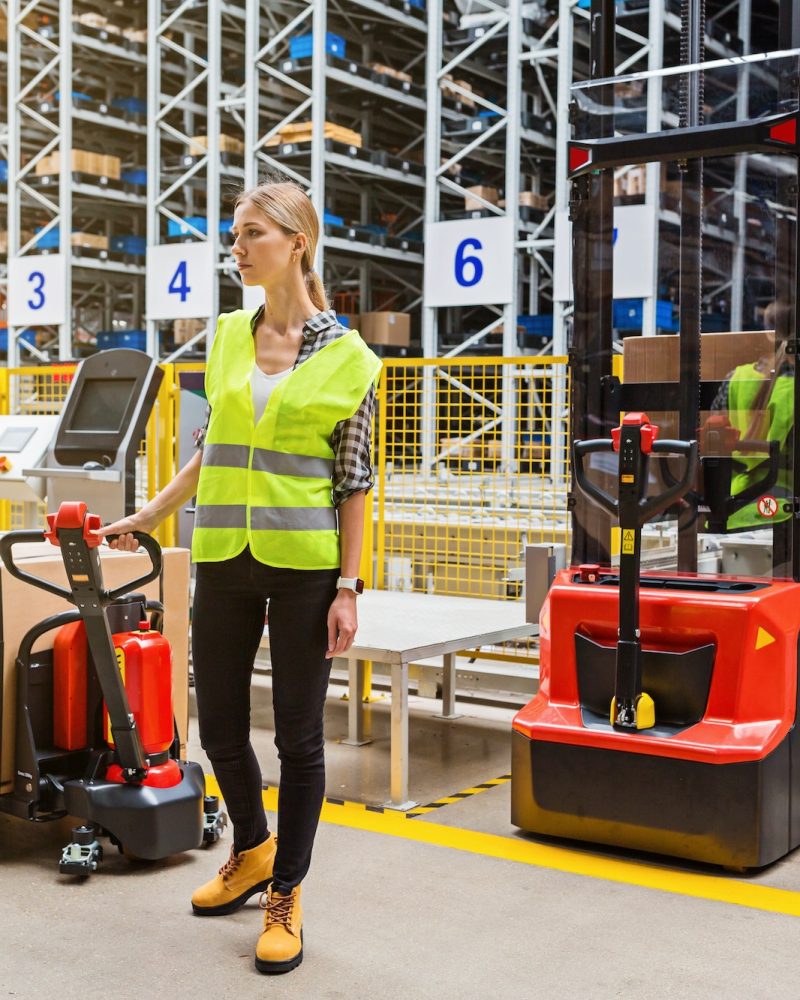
667, 713
95, 735
699, 755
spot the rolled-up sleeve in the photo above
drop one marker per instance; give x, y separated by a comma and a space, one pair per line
200, 435
352, 447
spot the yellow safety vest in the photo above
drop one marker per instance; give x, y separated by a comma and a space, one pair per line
269, 485
742, 392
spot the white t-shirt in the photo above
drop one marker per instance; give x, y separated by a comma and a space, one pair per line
261, 386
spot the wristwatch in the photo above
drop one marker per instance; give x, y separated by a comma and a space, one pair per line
354, 583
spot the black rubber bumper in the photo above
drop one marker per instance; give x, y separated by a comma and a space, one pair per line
736, 815
151, 823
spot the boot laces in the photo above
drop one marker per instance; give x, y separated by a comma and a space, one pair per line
279, 909
230, 865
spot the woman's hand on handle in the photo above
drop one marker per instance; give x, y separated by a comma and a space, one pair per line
124, 528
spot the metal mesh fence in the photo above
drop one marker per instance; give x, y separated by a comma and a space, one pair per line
472, 465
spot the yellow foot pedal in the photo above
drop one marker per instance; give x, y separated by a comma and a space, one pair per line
645, 712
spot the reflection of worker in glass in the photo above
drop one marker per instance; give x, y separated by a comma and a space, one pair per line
759, 400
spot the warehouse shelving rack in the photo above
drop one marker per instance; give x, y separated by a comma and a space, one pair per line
500, 135
75, 85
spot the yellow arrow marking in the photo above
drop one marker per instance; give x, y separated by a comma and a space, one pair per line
763, 638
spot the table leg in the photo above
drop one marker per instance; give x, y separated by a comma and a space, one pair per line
399, 740
448, 688
355, 705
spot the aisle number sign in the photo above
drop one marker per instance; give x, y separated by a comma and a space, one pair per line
36, 290
180, 281
634, 253
469, 262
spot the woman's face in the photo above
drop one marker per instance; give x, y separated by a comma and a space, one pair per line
263, 251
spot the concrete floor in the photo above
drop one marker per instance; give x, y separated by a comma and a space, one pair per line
387, 916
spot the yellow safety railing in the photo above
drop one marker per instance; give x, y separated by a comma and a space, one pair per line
471, 462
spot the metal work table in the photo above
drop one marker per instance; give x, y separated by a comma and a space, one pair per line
399, 628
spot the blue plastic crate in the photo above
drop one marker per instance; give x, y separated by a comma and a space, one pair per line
128, 244
419, 4
200, 222
301, 46
627, 314
134, 339
541, 324
50, 241
3, 172
76, 96
28, 335
133, 104
332, 220
135, 177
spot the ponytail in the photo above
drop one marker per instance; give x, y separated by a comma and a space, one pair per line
315, 288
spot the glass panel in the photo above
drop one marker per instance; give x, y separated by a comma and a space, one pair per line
746, 415
744, 87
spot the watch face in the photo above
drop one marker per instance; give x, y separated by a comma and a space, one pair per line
359, 586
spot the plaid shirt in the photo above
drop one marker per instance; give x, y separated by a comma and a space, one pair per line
352, 439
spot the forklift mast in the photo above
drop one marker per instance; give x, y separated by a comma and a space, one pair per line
598, 398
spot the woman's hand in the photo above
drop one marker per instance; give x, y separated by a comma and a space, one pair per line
124, 528
342, 623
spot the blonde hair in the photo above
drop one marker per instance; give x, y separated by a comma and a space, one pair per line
288, 206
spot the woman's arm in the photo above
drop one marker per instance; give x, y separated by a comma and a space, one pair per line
342, 617
176, 493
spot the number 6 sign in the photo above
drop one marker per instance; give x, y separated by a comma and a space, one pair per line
469, 262
180, 278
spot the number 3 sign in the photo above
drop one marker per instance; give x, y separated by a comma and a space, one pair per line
36, 290
469, 262
180, 278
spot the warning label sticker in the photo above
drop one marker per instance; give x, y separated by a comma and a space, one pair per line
628, 542
767, 506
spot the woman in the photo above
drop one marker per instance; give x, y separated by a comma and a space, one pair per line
285, 450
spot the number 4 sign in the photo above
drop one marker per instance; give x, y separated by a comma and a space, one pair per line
180, 279
469, 262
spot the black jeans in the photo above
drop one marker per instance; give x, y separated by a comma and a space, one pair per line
227, 624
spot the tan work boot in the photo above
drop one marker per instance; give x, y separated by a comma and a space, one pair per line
242, 876
280, 947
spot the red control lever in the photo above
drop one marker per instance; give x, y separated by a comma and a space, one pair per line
70, 515
649, 431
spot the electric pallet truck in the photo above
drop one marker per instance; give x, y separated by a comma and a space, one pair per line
95, 734
667, 713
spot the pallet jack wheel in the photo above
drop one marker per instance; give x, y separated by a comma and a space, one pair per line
214, 819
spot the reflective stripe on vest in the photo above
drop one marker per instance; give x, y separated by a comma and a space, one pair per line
269, 486
743, 389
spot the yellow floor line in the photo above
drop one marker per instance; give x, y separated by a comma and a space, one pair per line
718, 888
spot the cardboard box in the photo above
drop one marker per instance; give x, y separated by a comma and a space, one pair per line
392, 328
24, 605
84, 162
657, 359
489, 194
227, 144
530, 199
353, 320
302, 132
388, 71
184, 329
31, 21
90, 241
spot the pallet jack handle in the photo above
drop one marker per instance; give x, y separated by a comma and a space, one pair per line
73, 516
635, 440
